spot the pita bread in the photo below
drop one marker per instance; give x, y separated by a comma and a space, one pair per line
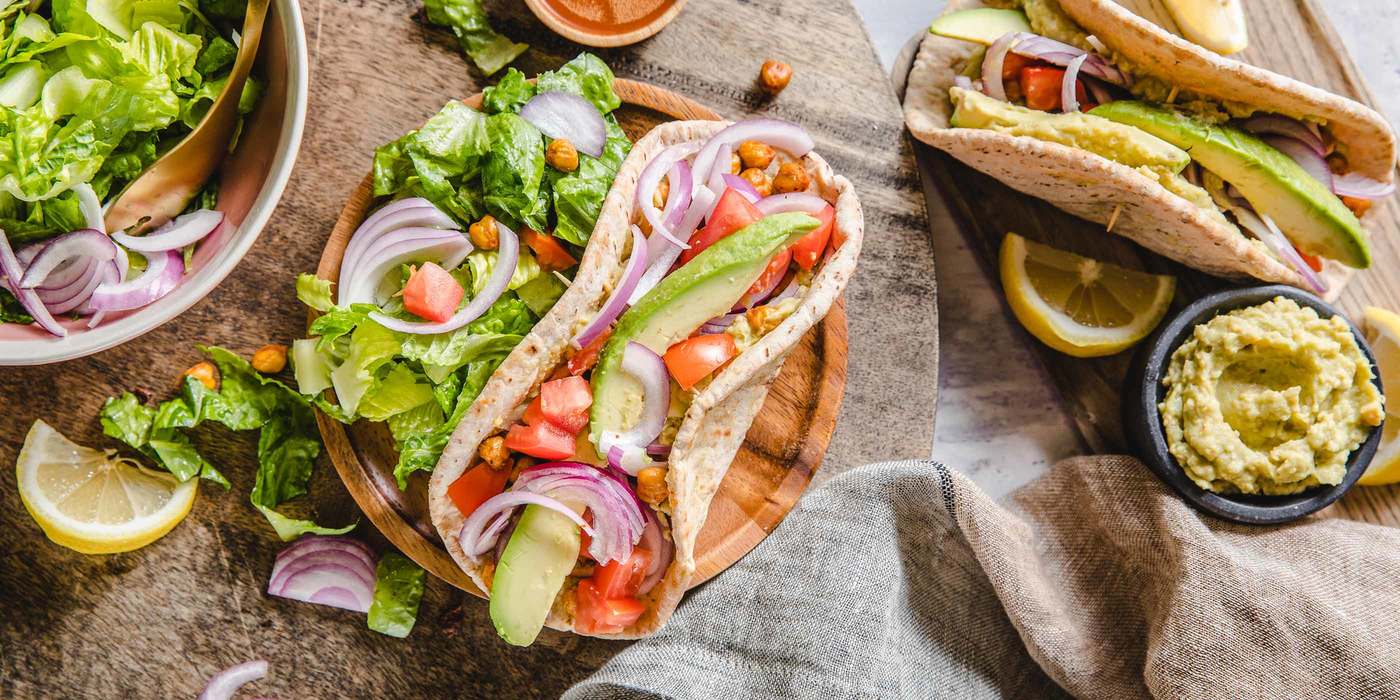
719, 414
1094, 188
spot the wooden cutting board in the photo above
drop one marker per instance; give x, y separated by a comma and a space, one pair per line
782, 450
1291, 37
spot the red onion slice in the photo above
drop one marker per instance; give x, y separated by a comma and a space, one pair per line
27, 298
663, 254
777, 133
630, 459
163, 273
1279, 125
1068, 100
117, 274
1304, 156
479, 533
650, 179
564, 115
744, 187
617, 515
1060, 54
312, 544
661, 550
90, 206
1096, 88
183, 230
612, 308
405, 245
678, 199
659, 450
1361, 187
718, 323
308, 584
285, 569
649, 370
507, 254
724, 161
83, 243
1268, 232
227, 682
791, 201
992, 64
386, 219
68, 297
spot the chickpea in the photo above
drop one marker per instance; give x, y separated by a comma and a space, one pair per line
736, 164
488, 574
774, 76
561, 155
1337, 162
206, 373
484, 234
755, 154
493, 452
791, 177
270, 358
1357, 206
663, 190
651, 485
761, 319
521, 465
759, 180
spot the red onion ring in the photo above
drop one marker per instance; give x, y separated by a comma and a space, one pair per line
718, 323
994, 60
1060, 54
629, 459
327, 570
1068, 101
76, 294
564, 115
724, 160
1361, 187
744, 187
90, 207
84, 243
661, 550
678, 199
650, 179
118, 274
650, 371
227, 682
284, 570
1302, 154
479, 533
1268, 232
792, 201
163, 273
310, 544
386, 219
396, 248
507, 254
1097, 89
177, 233
617, 516
9, 265
662, 254
777, 133
1279, 125
612, 308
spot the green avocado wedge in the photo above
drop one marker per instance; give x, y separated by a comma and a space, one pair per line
539, 556
1315, 220
983, 25
707, 286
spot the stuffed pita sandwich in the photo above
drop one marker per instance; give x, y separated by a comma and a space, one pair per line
1228, 168
573, 491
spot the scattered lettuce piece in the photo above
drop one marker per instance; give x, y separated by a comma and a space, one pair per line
289, 529
314, 292
398, 588
489, 50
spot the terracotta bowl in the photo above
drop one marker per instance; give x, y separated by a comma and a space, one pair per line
1143, 391
605, 23
252, 179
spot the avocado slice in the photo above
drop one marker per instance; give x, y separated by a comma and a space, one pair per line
983, 25
540, 554
1315, 220
707, 286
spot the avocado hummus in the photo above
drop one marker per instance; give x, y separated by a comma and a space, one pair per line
1269, 399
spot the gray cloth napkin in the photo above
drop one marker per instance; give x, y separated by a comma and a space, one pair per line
904, 579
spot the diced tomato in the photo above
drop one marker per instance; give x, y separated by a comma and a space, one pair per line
622, 579
809, 248
777, 267
1041, 85
474, 487
534, 415
585, 358
432, 293
693, 359
584, 539
543, 440
731, 214
1312, 260
1357, 205
551, 254
594, 614
564, 402
1013, 63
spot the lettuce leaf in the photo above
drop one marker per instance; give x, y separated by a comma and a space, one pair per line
398, 588
420, 452
578, 196
289, 529
314, 292
514, 171
489, 50
508, 95
586, 76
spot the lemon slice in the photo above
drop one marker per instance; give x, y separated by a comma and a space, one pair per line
92, 501
1383, 333
1218, 25
1079, 306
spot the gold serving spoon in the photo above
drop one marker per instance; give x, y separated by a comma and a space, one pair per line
163, 190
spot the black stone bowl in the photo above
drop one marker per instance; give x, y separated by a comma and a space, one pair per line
1142, 424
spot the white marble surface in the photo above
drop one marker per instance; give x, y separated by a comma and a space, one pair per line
983, 356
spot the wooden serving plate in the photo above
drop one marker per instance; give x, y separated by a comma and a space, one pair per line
782, 450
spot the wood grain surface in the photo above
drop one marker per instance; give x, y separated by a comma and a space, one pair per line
159, 621
773, 467
1292, 37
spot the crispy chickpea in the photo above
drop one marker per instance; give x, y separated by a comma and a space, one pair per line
663, 190
270, 358
759, 180
493, 452
755, 154
651, 485
791, 177
774, 76
1357, 205
206, 373
561, 155
736, 164
1337, 162
761, 319
484, 233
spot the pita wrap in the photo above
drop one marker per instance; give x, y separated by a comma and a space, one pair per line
720, 412
1102, 190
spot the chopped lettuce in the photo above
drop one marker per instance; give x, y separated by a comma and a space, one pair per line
289, 529
489, 50
586, 76
398, 588
314, 292
513, 172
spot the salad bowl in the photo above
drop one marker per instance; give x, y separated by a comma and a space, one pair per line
251, 181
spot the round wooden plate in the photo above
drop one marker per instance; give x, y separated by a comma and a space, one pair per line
780, 453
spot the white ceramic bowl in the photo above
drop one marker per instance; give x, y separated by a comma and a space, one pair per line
251, 182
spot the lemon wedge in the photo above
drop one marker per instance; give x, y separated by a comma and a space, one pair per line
1217, 25
1079, 306
93, 501
1383, 333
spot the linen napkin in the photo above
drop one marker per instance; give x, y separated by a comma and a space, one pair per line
904, 579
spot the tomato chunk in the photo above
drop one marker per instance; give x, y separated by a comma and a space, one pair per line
809, 248
432, 293
585, 358
551, 254
564, 402
475, 486
693, 359
1041, 85
1312, 260
732, 213
543, 440
622, 579
595, 614
777, 267
1013, 63
534, 414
